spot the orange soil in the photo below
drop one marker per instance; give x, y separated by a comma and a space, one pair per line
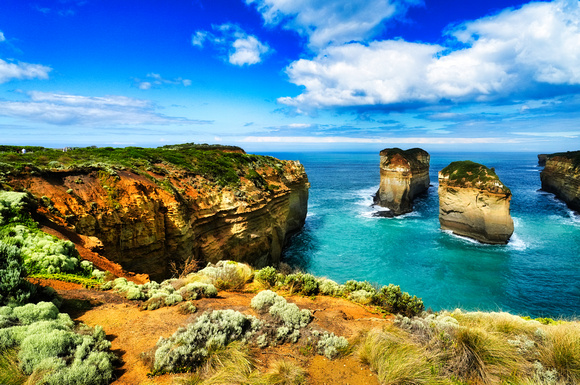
133, 332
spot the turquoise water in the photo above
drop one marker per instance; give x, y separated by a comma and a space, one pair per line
537, 273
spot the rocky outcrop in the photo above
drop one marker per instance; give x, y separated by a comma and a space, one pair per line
542, 159
474, 203
146, 219
404, 175
561, 176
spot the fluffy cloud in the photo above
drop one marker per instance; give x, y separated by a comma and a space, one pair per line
247, 50
9, 71
234, 43
66, 109
519, 53
156, 80
331, 22
2, 38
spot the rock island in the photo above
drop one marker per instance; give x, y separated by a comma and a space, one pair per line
404, 175
474, 203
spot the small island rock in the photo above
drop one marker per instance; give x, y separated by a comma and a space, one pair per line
404, 175
474, 203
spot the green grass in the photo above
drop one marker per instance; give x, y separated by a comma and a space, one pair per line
220, 164
72, 278
574, 156
466, 172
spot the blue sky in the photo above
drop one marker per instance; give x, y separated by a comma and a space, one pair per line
279, 75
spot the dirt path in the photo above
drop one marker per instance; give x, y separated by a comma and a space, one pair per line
133, 332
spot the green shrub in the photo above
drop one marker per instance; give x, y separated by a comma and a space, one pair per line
280, 309
330, 288
331, 346
266, 276
190, 347
393, 300
13, 287
52, 349
226, 275
353, 285
305, 284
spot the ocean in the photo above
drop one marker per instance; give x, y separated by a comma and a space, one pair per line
537, 273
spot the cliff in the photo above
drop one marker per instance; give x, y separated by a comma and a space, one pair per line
473, 202
561, 176
146, 208
404, 175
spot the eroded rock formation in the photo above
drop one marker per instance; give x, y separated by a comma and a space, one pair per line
404, 175
147, 219
561, 176
474, 203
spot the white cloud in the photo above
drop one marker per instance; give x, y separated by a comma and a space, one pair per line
332, 22
2, 38
234, 44
67, 109
513, 53
247, 50
9, 71
156, 80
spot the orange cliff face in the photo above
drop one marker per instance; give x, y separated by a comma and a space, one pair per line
561, 176
145, 221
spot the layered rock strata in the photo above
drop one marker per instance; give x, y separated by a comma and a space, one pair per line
561, 176
146, 219
404, 175
474, 203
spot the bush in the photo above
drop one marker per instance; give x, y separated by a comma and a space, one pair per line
280, 309
330, 288
190, 347
393, 300
305, 284
226, 275
331, 346
13, 287
266, 276
52, 349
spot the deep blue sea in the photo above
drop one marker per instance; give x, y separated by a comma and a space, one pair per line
536, 274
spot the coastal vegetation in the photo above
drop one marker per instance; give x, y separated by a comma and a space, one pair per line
467, 173
222, 165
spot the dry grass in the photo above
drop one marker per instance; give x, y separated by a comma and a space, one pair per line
561, 351
235, 365
10, 373
397, 360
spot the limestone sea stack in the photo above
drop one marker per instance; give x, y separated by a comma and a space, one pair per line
561, 176
474, 203
404, 175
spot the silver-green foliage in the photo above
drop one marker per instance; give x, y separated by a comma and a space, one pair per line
331, 345
50, 345
280, 309
161, 294
190, 346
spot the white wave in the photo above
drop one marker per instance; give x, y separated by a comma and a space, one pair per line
517, 243
574, 217
465, 239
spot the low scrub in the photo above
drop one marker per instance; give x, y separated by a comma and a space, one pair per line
191, 349
51, 349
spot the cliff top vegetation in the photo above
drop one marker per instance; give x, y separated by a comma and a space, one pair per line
220, 164
411, 155
466, 173
574, 156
